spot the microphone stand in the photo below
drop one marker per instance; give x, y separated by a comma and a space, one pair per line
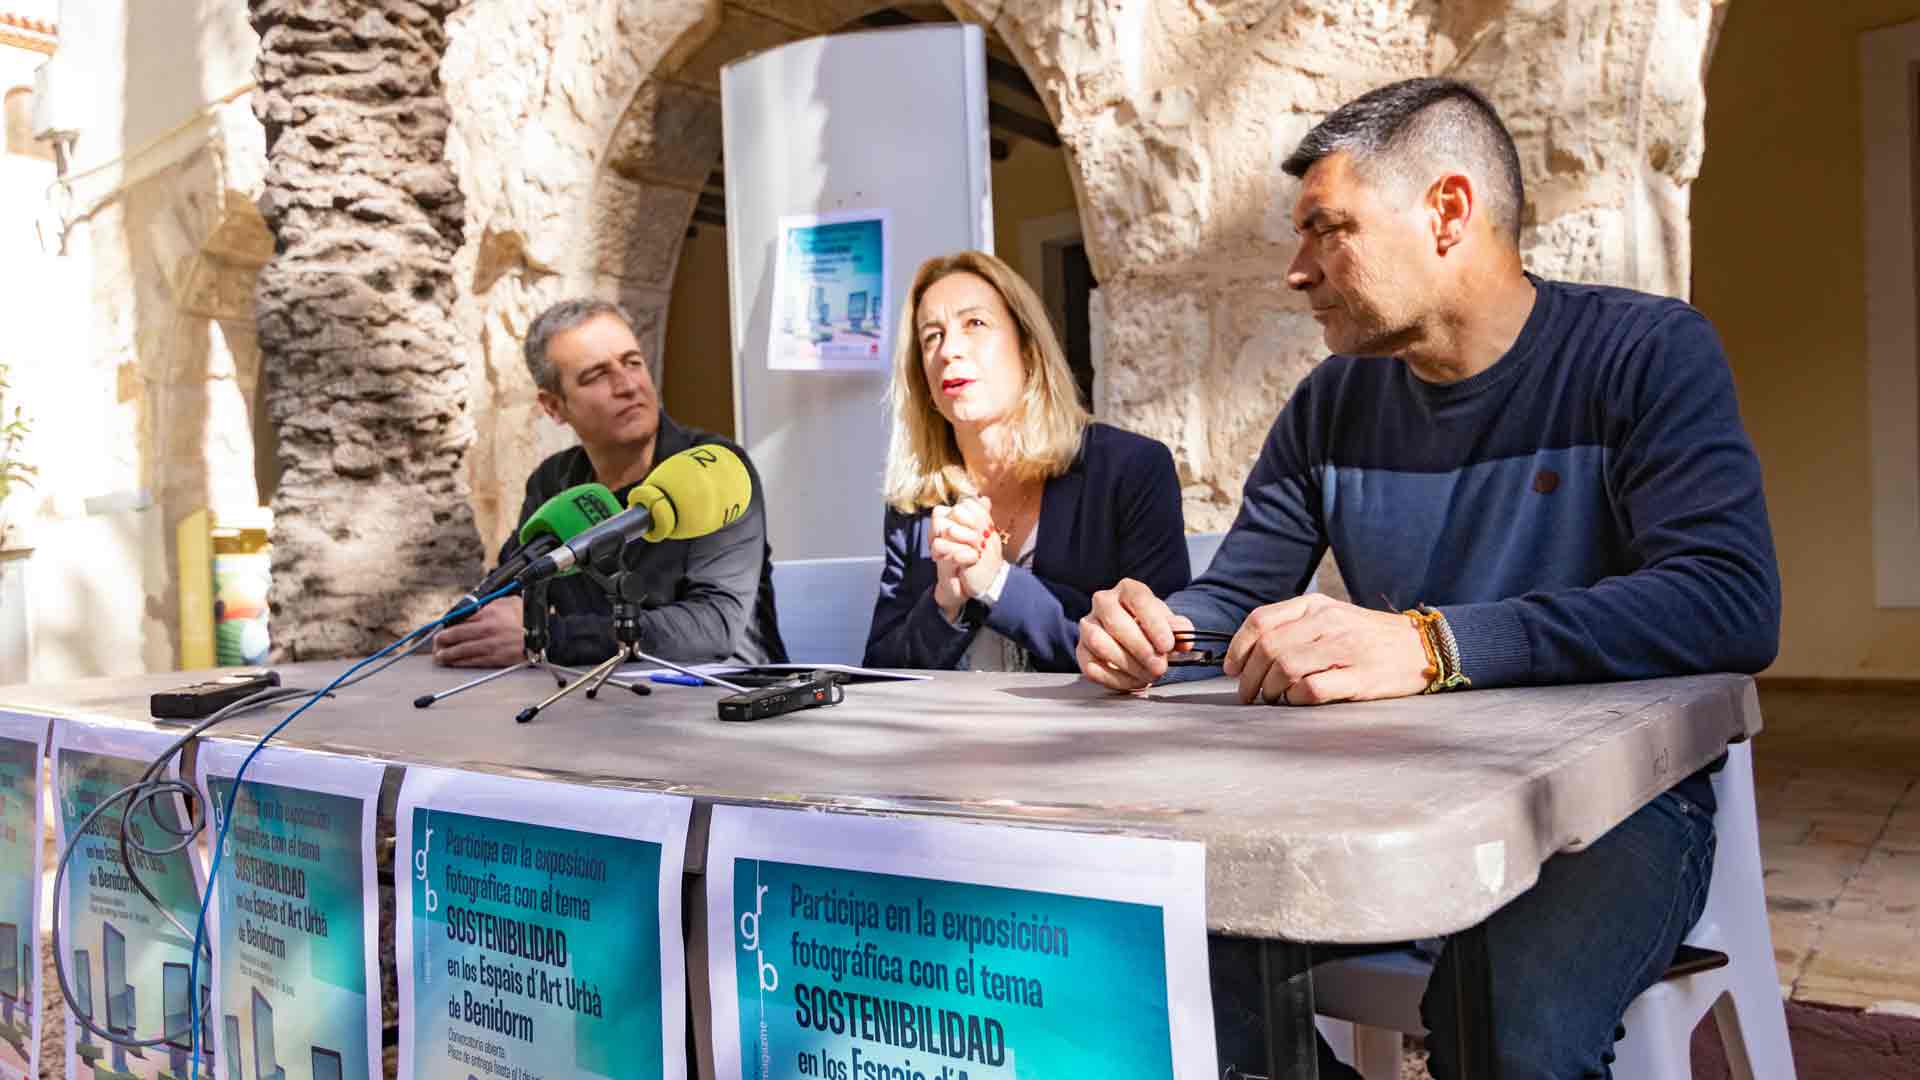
535, 640
627, 607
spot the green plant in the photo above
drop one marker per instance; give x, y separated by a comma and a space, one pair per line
12, 433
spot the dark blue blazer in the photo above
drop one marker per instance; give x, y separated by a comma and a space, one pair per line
1115, 513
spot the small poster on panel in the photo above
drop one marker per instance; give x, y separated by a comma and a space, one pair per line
295, 919
539, 931
850, 947
831, 311
22, 745
127, 957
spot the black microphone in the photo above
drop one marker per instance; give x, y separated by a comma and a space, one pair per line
535, 635
502, 576
561, 517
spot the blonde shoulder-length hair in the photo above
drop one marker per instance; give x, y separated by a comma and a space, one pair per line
924, 466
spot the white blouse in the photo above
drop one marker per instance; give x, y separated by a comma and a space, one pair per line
990, 650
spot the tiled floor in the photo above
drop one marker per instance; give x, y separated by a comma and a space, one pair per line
1838, 781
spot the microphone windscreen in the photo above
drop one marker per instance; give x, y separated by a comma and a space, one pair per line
697, 491
571, 513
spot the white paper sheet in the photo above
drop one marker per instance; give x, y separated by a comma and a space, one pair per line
296, 917
837, 941
538, 912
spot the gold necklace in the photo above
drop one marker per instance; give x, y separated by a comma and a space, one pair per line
1018, 513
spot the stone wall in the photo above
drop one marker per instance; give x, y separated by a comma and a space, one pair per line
579, 132
580, 171
582, 134
1177, 116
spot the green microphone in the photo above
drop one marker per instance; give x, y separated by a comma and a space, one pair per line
564, 517
558, 520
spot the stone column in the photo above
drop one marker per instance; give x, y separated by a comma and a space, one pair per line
373, 531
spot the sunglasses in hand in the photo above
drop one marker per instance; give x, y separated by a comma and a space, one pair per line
1199, 648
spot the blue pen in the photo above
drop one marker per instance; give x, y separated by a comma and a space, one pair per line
675, 678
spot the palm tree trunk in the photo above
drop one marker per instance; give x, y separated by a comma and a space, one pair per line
373, 529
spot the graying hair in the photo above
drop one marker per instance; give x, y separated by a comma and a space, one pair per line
1412, 130
558, 319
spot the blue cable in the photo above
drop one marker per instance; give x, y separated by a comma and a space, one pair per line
220, 842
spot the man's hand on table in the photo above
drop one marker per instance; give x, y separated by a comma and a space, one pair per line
492, 638
1310, 650
1125, 638
1313, 649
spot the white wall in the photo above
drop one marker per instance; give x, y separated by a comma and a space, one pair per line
81, 326
189, 54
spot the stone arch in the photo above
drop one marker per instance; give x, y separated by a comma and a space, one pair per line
536, 93
482, 188
1174, 117
582, 164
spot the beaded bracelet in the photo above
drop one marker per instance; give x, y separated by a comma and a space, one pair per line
1443, 671
1431, 672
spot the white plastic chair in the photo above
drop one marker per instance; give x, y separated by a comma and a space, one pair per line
825, 607
1200, 549
1380, 994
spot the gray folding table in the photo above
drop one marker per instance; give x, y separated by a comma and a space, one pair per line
1359, 823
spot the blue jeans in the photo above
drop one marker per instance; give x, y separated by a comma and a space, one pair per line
1567, 956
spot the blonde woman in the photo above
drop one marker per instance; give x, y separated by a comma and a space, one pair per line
1007, 508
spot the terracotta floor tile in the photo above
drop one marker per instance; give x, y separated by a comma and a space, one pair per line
1814, 877
1854, 832
1795, 936
1774, 834
1837, 779
1842, 994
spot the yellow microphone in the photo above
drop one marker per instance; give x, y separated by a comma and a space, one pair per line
697, 491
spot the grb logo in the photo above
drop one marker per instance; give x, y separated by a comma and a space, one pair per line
750, 940
431, 899
593, 508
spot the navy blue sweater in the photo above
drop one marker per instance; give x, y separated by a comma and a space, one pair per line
1587, 509
1114, 513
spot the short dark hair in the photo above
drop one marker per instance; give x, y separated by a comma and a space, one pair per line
1412, 128
557, 320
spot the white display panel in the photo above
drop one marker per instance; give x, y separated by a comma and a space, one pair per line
891, 121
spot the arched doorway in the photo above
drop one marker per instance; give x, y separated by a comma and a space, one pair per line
1037, 229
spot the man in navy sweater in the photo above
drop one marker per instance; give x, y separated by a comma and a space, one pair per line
1524, 482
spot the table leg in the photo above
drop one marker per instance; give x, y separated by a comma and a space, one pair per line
1263, 1009
1286, 971
1473, 991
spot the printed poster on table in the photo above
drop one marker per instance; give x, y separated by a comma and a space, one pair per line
295, 919
856, 948
126, 960
830, 305
539, 933
23, 741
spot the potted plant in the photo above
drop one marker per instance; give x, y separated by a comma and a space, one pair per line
14, 427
